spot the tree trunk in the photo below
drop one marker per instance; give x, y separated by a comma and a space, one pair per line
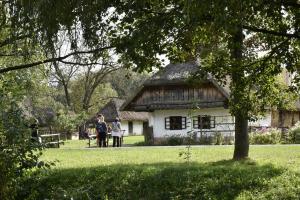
241, 144
86, 101
64, 81
67, 94
239, 93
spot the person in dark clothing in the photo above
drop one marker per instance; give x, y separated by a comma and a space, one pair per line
34, 131
101, 129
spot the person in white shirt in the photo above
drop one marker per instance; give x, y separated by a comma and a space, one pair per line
116, 132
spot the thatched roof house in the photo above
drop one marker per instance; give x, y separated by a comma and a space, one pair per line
169, 88
175, 105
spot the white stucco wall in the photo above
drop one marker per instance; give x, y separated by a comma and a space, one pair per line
124, 125
137, 127
157, 120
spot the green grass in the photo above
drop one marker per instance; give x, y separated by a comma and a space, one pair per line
78, 144
159, 173
131, 140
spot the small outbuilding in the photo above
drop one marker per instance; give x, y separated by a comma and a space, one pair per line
132, 122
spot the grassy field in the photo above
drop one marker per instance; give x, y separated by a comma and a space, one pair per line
78, 144
159, 173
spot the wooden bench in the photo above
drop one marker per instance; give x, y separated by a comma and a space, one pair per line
91, 137
51, 140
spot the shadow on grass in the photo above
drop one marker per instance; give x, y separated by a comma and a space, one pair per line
217, 180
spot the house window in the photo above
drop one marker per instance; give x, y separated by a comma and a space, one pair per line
204, 122
175, 123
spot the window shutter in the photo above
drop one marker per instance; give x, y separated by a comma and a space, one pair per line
213, 122
183, 122
196, 122
200, 122
167, 123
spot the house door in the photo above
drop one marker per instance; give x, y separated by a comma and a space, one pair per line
130, 128
148, 133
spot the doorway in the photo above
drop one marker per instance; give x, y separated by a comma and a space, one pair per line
130, 128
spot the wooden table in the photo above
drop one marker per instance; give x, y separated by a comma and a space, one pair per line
52, 139
94, 136
91, 137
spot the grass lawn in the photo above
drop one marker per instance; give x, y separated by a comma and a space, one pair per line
77, 144
159, 173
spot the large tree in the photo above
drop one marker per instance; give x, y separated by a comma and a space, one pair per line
88, 95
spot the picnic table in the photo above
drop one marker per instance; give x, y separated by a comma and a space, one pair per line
51, 139
94, 137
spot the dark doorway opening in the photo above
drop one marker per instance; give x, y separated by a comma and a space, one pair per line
130, 128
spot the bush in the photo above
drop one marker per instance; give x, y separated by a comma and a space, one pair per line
294, 134
19, 155
207, 140
142, 143
215, 139
219, 138
174, 140
272, 136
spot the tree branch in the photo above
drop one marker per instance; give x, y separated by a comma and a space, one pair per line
78, 63
286, 3
261, 30
24, 66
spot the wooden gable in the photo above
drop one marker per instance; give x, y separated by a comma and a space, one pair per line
182, 96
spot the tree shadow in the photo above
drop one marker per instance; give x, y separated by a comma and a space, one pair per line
216, 180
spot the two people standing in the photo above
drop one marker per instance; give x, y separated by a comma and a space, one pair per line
102, 129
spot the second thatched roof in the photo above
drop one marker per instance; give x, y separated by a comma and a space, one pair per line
112, 110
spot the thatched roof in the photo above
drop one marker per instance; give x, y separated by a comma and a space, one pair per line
112, 110
179, 73
176, 74
173, 73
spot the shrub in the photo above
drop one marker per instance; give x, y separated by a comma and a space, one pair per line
228, 140
142, 143
19, 155
294, 134
177, 139
272, 136
219, 138
174, 140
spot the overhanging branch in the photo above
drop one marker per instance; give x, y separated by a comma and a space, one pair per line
271, 32
79, 63
24, 66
